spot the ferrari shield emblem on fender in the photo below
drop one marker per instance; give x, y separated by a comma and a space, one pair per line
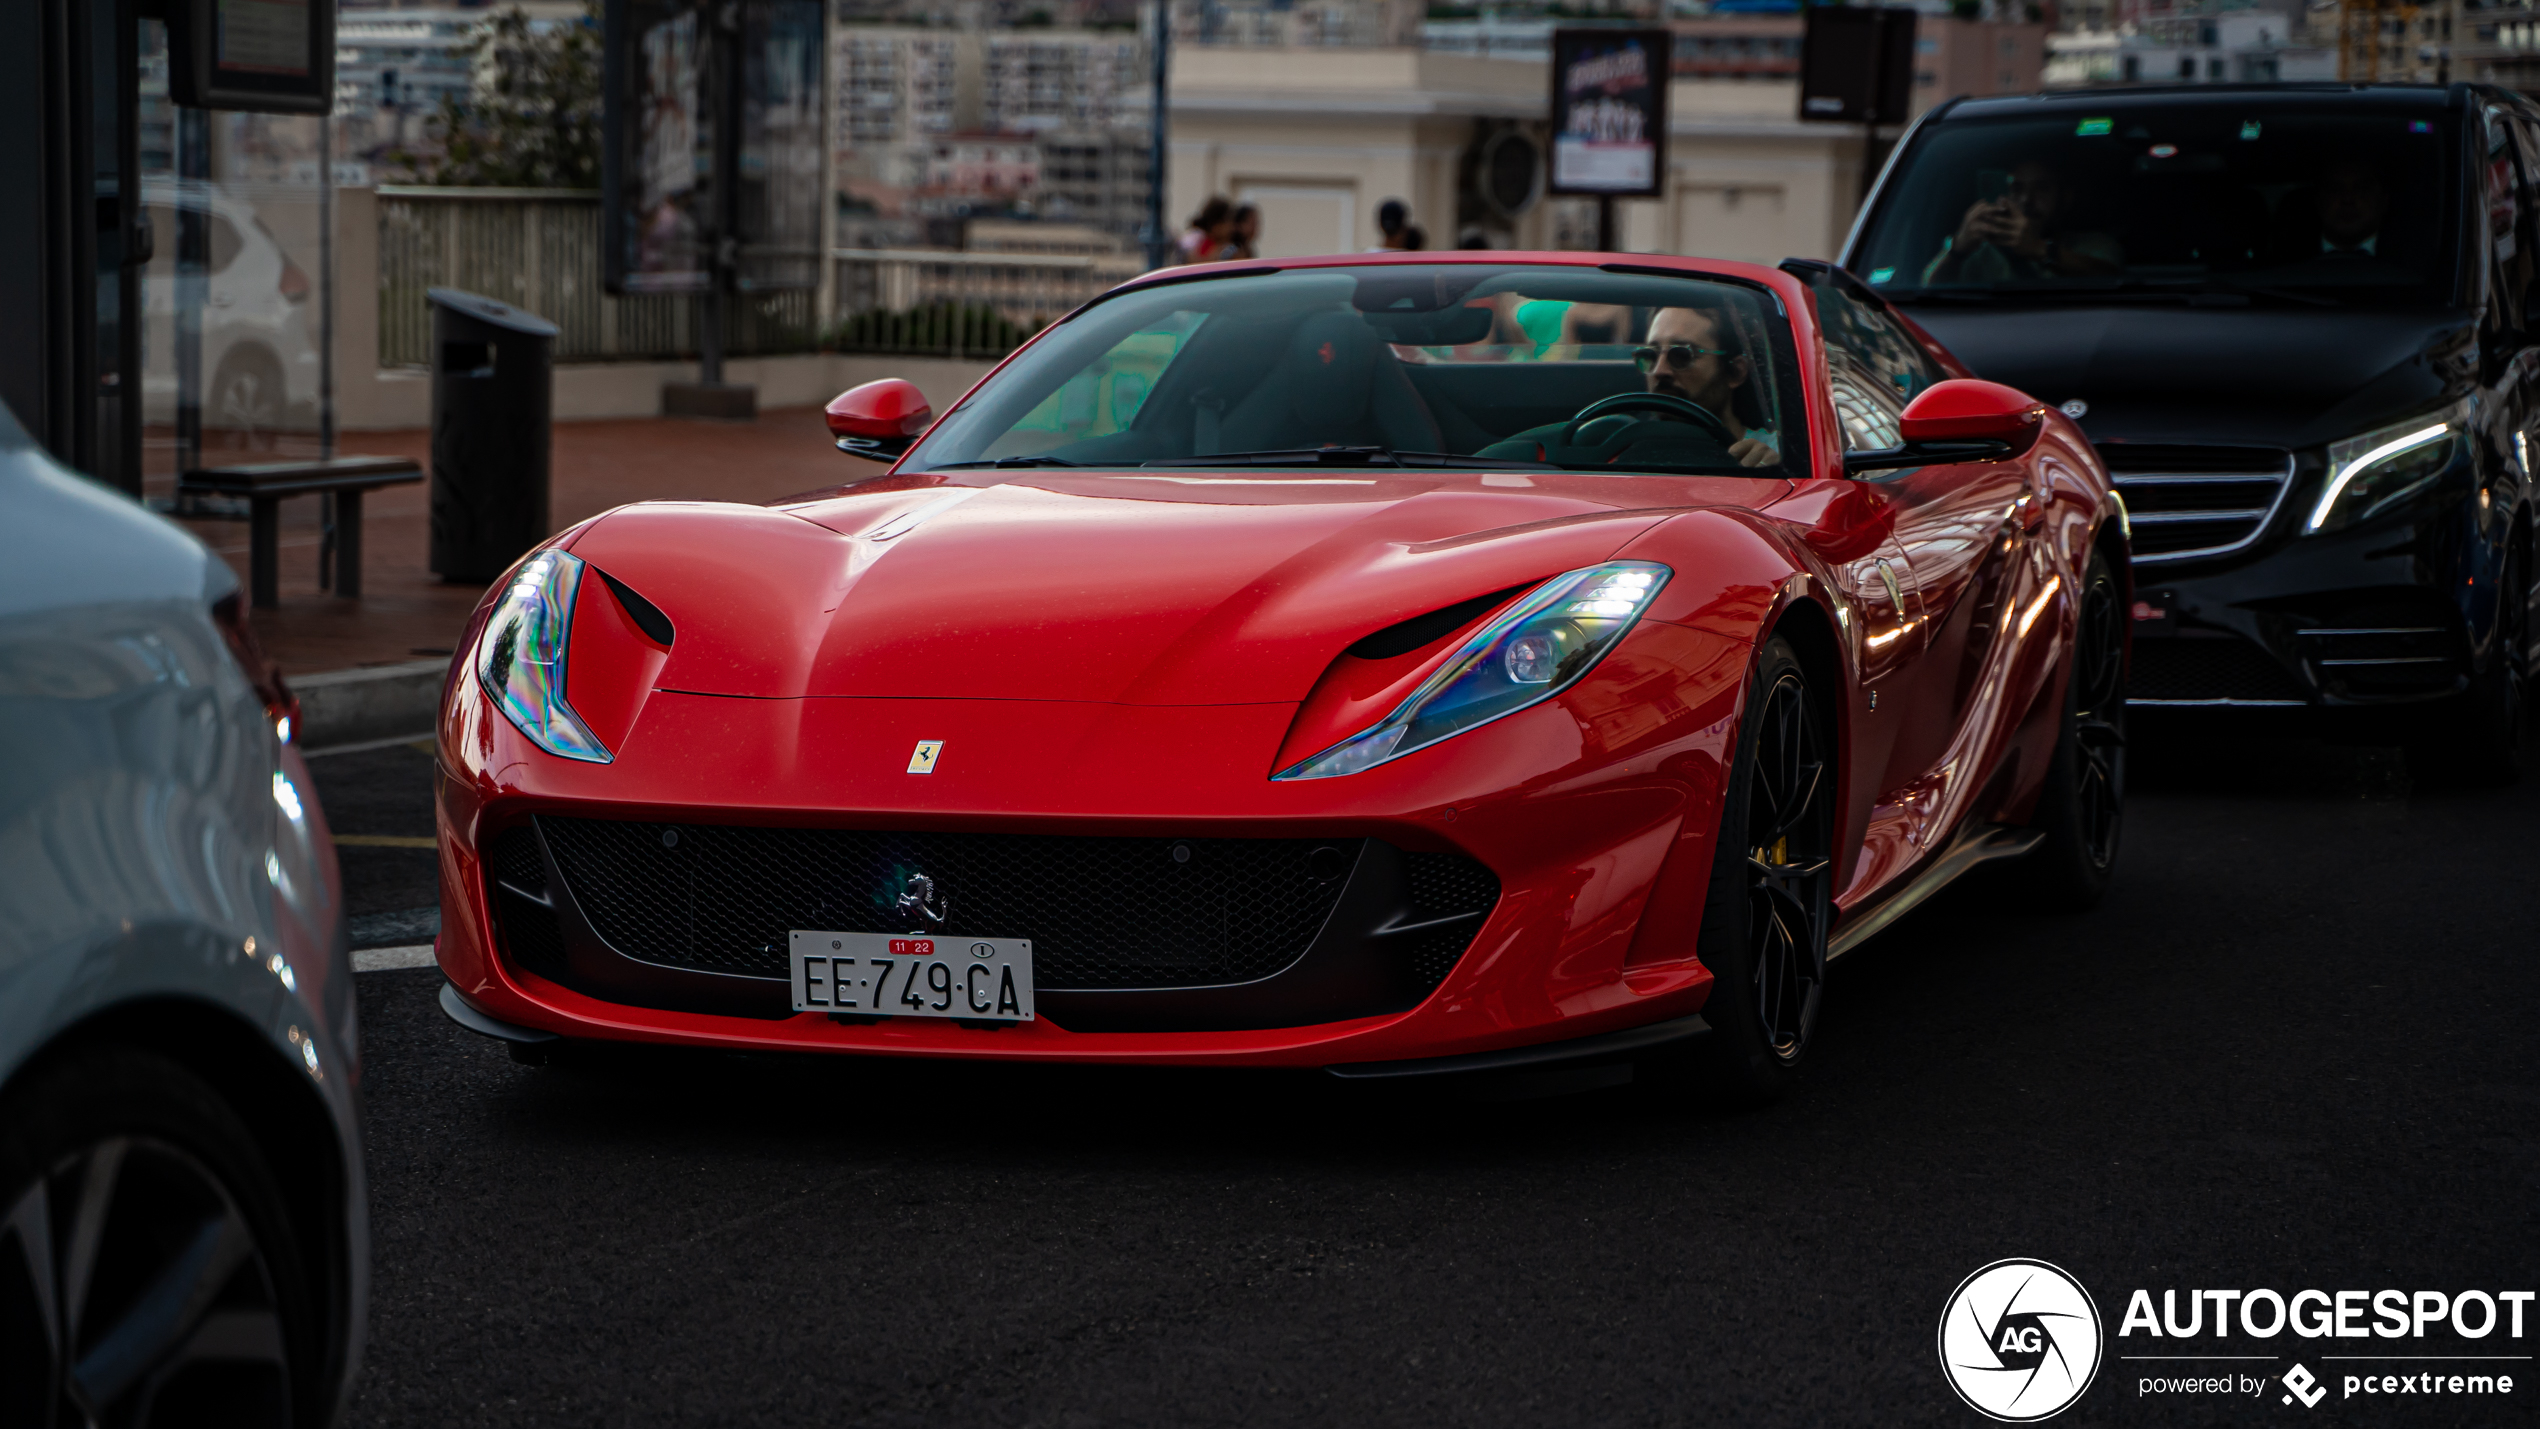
923, 760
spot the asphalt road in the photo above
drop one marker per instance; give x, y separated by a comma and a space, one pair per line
2294, 1049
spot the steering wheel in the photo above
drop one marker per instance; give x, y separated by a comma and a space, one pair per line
1673, 406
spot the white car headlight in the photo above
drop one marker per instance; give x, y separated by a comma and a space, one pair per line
2384, 470
520, 657
1539, 647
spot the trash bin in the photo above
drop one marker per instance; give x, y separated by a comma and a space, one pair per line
493, 379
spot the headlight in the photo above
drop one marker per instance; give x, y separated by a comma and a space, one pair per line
2384, 470
1537, 649
520, 658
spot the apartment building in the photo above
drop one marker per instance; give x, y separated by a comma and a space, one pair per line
932, 123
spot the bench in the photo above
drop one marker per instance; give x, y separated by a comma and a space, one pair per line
266, 484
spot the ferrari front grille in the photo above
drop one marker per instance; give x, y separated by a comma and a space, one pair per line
1102, 913
2183, 502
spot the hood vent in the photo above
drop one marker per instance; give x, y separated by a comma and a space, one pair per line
1419, 630
646, 615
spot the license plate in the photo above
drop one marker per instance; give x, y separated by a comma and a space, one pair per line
882, 975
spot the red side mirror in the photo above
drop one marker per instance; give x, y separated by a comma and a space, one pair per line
1966, 409
879, 419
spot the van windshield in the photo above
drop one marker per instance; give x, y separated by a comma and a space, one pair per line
2321, 203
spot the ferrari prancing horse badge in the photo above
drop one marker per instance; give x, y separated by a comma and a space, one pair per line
923, 761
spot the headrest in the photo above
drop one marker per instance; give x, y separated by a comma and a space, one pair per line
1329, 362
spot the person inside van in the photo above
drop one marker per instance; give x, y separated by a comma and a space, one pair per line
2015, 230
2352, 201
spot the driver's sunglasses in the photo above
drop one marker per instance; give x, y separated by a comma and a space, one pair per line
1679, 355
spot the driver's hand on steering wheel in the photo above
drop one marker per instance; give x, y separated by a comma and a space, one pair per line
1754, 451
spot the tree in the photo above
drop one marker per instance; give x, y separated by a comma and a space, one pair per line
532, 117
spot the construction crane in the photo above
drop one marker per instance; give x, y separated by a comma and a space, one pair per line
2363, 34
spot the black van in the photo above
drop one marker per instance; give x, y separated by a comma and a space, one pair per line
2298, 321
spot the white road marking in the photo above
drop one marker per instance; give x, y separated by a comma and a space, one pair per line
381, 960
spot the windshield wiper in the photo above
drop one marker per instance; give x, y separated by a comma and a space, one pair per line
2261, 290
2115, 290
1003, 461
1939, 295
1350, 456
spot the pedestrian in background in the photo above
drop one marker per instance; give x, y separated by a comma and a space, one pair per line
1393, 219
1205, 239
1243, 239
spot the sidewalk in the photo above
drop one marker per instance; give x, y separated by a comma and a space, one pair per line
406, 613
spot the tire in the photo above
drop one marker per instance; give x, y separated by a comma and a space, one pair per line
246, 401
2082, 808
2475, 741
131, 1153
1771, 899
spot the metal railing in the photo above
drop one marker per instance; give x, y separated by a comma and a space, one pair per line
539, 250
959, 303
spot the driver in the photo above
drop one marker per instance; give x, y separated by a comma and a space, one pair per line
1695, 354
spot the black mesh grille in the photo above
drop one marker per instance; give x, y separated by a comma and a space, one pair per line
529, 930
513, 859
2208, 669
1443, 884
1101, 912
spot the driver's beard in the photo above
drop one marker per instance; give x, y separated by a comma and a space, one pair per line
1666, 385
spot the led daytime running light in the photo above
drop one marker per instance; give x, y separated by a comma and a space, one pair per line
520, 659
2395, 447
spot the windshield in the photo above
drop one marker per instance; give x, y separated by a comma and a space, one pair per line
1426, 365
2324, 203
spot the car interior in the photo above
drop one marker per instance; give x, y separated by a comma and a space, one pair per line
1339, 363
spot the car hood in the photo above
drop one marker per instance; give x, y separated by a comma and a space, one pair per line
2288, 377
1182, 589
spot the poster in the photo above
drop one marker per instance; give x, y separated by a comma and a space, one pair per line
782, 177
713, 142
674, 165
1609, 111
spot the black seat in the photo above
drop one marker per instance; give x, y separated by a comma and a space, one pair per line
1336, 385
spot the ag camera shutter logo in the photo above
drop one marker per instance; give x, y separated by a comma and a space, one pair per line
2019, 1341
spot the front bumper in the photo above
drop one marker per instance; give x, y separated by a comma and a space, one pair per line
1576, 849
2396, 614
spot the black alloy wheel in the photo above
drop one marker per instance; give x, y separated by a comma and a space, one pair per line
1771, 901
2082, 808
140, 1283
1789, 867
2475, 741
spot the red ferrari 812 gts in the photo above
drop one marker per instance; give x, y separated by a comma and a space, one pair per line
1393, 665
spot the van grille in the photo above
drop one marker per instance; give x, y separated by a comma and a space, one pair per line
2197, 501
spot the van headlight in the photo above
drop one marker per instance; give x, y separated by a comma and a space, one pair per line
1539, 647
520, 657
2389, 469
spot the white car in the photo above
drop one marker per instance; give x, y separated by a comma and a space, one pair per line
182, 1208
260, 325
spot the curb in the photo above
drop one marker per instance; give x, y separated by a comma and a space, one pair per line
377, 702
